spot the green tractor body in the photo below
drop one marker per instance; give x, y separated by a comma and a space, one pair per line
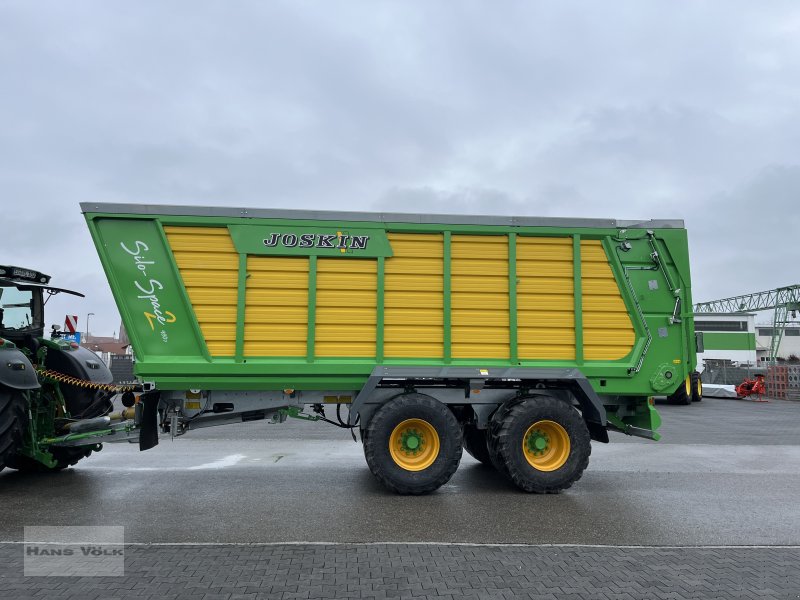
46, 385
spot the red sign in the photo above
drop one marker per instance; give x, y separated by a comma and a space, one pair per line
71, 323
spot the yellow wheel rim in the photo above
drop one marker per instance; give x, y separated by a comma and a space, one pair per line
414, 445
546, 445
700, 387
688, 383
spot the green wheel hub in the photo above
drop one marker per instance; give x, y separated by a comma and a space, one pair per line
411, 442
538, 442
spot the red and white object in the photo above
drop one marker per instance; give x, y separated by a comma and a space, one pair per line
71, 323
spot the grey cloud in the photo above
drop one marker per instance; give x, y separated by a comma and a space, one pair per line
744, 240
626, 110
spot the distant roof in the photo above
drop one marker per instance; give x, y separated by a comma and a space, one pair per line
736, 314
111, 347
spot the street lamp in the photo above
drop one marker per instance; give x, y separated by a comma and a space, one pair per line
87, 326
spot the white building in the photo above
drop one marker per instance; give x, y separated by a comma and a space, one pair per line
790, 343
727, 336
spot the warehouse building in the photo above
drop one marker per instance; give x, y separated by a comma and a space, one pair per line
727, 337
737, 338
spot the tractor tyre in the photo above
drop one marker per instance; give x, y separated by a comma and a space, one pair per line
475, 443
65, 457
697, 387
543, 444
413, 444
683, 395
13, 424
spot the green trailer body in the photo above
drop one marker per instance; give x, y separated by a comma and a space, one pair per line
335, 307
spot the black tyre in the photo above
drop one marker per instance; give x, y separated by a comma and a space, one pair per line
13, 423
475, 444
65, 457
493, 430
683, 395
413, 444
697, 387
542, 443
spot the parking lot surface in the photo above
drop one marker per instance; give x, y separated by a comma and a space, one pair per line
291, 510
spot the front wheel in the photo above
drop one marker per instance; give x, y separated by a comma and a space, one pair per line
13, 424
542, 443
413, 444
683, 395
697, 387
64, 457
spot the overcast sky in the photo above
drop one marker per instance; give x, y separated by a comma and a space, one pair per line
630, 110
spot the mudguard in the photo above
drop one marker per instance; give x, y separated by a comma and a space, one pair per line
82, 364
77, 362
16, 371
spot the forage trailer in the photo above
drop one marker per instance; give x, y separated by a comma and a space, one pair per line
520, 339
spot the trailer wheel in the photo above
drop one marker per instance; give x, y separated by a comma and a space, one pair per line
475, 443
697, 387
13, 424
491, 435
683, 395
413, 444
543, 444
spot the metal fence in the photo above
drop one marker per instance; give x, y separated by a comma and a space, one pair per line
121, 366
723, 372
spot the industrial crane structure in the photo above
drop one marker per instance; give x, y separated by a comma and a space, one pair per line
784, 301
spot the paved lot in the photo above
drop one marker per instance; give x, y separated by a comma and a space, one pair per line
417, 571
726, 474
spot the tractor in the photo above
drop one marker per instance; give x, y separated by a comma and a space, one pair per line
54, 394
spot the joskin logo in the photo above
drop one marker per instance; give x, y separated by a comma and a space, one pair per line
343, 241
149, 288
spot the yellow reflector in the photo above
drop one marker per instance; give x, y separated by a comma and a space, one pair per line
192, 405
337, 399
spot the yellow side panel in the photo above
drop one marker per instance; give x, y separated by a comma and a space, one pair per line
545, 298
413, 301
607, 330
209, 267
276, 306
479, 282
346, 307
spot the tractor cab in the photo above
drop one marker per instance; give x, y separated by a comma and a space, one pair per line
23, 294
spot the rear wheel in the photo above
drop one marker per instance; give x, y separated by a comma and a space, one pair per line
697, 387
542, 443
413, 444
475, 444
491, 435
683, 395
65, 456
13, 424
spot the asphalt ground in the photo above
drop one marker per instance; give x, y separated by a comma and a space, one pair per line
709, 511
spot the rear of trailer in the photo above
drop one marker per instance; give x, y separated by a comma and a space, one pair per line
519, 338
